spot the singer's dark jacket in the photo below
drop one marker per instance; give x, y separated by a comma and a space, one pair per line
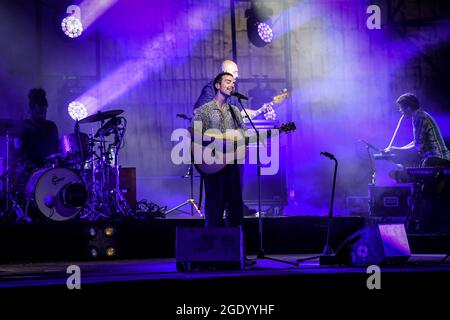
208, 93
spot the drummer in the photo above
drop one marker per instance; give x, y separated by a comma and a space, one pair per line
40, 138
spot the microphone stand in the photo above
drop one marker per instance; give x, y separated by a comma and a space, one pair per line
327, 250
372, 167
327, 257
261, 254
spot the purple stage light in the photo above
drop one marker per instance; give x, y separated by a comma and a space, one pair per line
265, 32
72, 26
77, 110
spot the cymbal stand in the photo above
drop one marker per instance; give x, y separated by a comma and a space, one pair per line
7, 172
101, 185
120, 204
106, 198
15, 207
93, 208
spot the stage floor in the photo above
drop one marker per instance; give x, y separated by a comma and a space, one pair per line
155, 286
26, 275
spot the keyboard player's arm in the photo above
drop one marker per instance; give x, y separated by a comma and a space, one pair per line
409, 146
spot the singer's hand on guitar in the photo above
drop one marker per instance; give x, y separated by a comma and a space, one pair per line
251, 113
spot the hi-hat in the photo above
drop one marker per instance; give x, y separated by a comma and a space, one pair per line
12, 127
100, 116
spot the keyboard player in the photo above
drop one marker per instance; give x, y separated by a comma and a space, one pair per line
432, 194
428, 141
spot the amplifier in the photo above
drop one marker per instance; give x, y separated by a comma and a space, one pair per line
390, 201
127, 179
273, 187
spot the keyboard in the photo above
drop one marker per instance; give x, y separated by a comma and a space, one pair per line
427, 172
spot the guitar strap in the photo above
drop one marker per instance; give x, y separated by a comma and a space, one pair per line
236, 123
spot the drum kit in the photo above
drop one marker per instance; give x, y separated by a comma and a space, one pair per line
81, 181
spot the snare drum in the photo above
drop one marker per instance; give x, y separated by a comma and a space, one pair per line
75, 149
59, 193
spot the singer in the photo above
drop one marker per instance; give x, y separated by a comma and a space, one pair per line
208, 91
222, 189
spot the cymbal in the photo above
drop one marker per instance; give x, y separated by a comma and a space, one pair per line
99, 116
12, 127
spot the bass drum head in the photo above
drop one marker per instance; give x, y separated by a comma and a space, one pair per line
59, 193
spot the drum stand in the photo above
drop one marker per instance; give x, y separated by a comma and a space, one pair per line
15, 207
104, 201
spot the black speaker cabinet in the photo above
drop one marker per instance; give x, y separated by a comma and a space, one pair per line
390, 201
377, 244
209, 249
273, 187
127, 179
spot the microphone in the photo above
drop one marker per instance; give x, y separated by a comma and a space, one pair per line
328, 155
369, 145
239, 96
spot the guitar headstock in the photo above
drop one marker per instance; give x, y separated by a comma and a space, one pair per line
281, 97
287, 127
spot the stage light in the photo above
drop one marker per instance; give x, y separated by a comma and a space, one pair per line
265, 32
92, 232
109, 231
93, 252
110, 252
259, 26
71, 25
77, 110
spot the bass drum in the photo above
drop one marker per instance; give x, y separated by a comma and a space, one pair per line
59, 193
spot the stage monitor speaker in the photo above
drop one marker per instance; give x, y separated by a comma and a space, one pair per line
209, 249
378, 244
